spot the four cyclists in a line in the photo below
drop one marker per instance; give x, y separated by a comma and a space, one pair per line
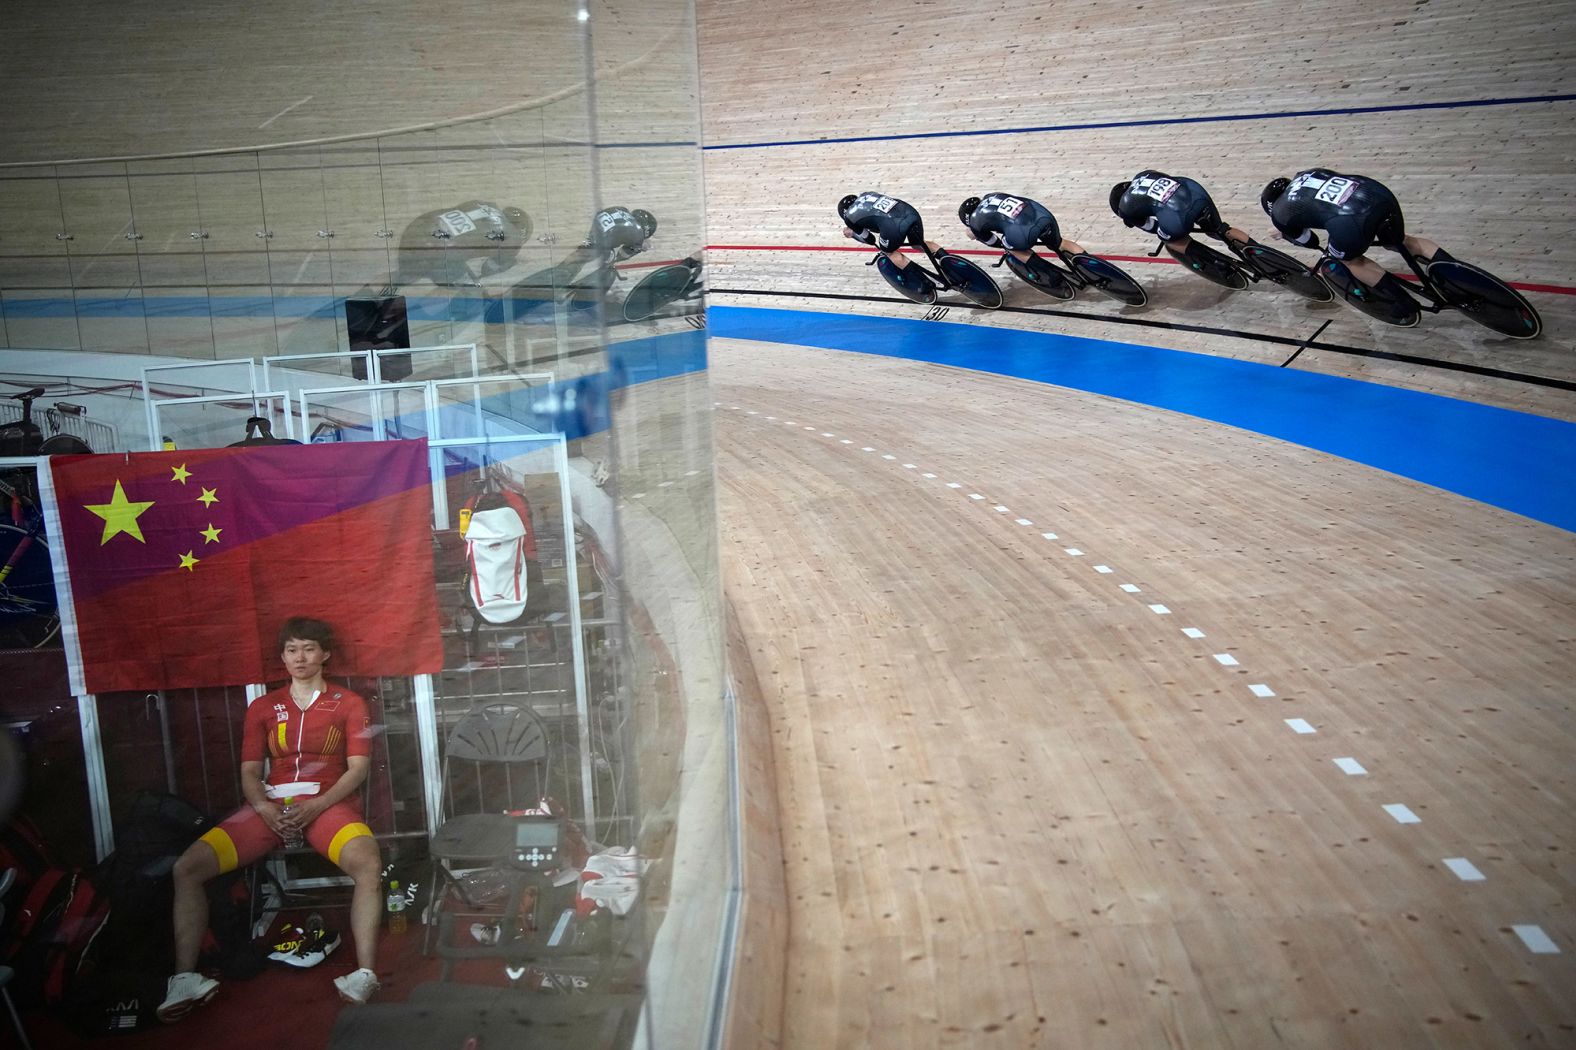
1354, 211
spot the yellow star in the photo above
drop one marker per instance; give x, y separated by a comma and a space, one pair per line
120, 515
187, 561
210, 534
208, 497
181, 474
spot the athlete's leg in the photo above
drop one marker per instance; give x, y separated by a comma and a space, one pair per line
361, 860
1421, 247
1068, 245
1365, 269
191, 873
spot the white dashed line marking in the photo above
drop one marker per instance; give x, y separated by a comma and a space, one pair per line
1074, 552
975, 495
867, 448
910, 466
887, 455
1160, 610
1401, 814
1048, 535
930, 476
1192, 632
1300, 725
1130, 588
1103, 568
1464, 869
1261, 690
1000, 509
691, 473
1351, 767
846, 441
827, 434
1025, 521
638, 495
663, 484
1225, 660
954, 485
1537, 942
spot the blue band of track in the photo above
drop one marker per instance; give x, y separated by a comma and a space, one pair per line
1343, 111
1512, 460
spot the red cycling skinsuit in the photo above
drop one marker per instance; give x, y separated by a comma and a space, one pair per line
307, 753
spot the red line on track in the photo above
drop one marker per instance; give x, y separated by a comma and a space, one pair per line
1550, 289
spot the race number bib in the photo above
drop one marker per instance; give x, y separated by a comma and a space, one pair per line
607, 222
1010, 207
456, 222
1336, 191
885, 204
1160, 190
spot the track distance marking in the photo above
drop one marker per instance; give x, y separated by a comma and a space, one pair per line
1103, 568
1261, 690
1130, 588
1464, 869
1074, 552
1351, 767
1537, 942
1225, 660
1192, 632
1300, 725
1401, 814
1160, 610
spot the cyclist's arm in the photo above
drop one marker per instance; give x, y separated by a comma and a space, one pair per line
866, 236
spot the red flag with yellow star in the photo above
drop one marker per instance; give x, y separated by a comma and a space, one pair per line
176, 569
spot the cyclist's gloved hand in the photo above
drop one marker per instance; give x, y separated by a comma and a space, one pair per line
1313, 240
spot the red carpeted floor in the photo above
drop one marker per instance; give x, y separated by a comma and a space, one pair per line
281, 1007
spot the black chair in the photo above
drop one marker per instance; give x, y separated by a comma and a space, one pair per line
505, 746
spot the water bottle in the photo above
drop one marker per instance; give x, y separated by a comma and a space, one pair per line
292, 836
396, 906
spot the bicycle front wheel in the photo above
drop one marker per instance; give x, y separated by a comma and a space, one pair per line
1485, 298
1288, 273
975, 284
909, 280
28, 615
656, 290
1109, 279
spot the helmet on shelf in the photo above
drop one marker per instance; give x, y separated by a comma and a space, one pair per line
966, 210
647, 221
1117, 192
1272, 193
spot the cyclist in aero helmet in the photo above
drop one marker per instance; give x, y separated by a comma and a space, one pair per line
1355, 212
1170, 207
887, 224
1014, 224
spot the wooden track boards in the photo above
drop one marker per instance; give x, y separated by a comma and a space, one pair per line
1019, 808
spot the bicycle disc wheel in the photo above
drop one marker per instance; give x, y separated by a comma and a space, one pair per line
1400, 309
1485, 298
1037, 273
1110, 280
1288, 273
975, 284
656, 290
28, 615
1210, 265
908, 280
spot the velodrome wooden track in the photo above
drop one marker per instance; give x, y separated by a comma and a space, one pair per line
1020, 806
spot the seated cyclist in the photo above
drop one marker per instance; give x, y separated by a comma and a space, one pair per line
1015, 224
314, 739
1171, 208
887, 223
1354, 211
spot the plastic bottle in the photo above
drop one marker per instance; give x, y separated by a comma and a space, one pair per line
396, 907
292, 836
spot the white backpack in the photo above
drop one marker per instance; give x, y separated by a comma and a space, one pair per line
499, 547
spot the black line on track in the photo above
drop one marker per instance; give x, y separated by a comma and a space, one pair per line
1305, 343
1263, 337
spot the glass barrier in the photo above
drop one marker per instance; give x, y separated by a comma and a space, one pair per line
525, 292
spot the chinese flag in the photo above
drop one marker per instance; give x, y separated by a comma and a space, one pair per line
177, 568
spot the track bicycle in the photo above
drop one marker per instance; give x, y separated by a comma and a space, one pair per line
1443, 282
1254, 262
29, 614
1083, 271
678, 282
954, 272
